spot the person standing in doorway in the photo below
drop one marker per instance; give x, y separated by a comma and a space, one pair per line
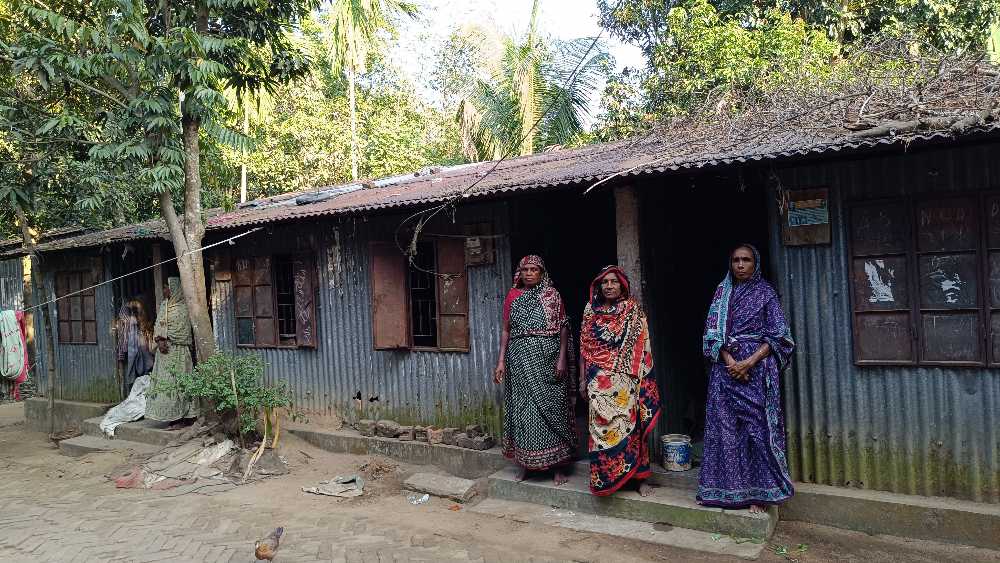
138, 345
539, 431
172, 335
616, 377
749, 344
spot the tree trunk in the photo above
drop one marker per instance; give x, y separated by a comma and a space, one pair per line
243, 160
50, 349
354, 124
187, 236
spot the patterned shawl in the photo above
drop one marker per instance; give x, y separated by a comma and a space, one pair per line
614, 337
546, 295
123, 326
755, 291
173, 322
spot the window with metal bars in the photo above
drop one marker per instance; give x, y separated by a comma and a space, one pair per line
423, 297
424, 305
284, 297
274, 300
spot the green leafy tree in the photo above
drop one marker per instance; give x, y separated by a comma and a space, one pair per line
303, 141
706, 54
357, 28
945, 24
496, 115
158, 69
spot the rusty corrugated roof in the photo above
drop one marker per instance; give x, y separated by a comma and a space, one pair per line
646, 155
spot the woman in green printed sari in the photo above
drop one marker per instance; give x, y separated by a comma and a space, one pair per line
539, 431
172, 334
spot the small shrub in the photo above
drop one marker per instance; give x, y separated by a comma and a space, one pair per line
213, 380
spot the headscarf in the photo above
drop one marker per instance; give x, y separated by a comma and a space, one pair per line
729, 291
173, 321
532, 260
547, 295
614, 336
597, 297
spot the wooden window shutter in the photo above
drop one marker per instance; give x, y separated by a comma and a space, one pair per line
304, 274
390, 299
264, 325
243, 300
63, 314
453, 295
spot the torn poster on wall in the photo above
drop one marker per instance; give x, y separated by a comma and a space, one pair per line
806, 217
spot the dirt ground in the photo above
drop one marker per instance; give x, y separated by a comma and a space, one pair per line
36, 472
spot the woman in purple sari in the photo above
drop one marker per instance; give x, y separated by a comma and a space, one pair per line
749, 344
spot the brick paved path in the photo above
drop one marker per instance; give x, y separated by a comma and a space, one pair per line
70, 520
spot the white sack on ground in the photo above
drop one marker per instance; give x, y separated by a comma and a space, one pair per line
132, 408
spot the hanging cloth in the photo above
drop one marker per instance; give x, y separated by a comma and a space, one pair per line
14, 363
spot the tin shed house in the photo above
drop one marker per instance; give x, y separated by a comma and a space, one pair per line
883, 248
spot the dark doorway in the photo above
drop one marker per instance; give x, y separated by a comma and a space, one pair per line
127, 260
690, 224
573, 233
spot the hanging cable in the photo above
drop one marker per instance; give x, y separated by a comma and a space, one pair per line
167, 261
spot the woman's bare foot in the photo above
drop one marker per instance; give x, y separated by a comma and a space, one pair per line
756, 509
560, 478
522, 474
645, 489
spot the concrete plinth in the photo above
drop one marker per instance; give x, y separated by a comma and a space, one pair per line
67, 413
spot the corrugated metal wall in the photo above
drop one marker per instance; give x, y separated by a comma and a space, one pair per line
412, 386
84, 372
924, 431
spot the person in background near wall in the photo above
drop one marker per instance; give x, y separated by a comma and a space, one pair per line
172, 334
539, 431
119, 330
138, 344
749, 344
616, 377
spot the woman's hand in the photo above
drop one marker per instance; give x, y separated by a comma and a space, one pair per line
741, 370
561, 367
499, 372
163, 345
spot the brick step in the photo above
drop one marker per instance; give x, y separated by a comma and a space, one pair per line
142, 431
83, 445
646, 532
666, 506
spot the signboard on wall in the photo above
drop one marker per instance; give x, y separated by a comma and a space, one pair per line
806, 217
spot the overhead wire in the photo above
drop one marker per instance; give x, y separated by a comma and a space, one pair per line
167, 261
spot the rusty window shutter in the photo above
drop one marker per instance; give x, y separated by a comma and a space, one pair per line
304, 274
243, 301
453, 296
390, 302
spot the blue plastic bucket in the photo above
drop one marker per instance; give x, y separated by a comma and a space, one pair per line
676, 452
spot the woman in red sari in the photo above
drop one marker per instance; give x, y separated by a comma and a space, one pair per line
616, 377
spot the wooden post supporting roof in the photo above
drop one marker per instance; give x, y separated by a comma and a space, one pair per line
627, 226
